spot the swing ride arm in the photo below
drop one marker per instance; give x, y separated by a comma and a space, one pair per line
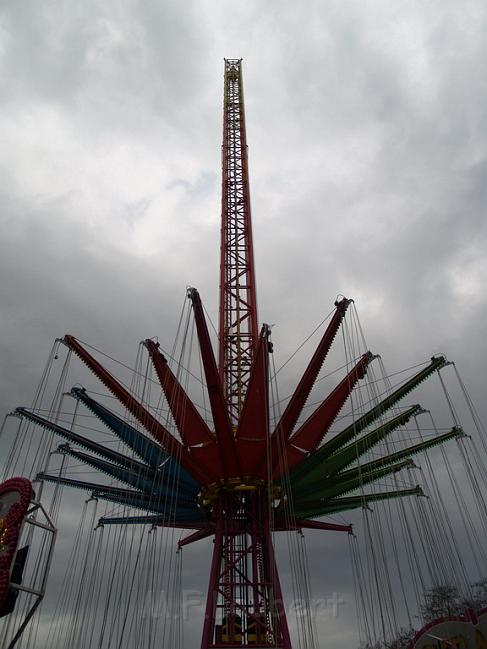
334, 464
189, 422
353, 502
180, 507
221, 421
253, 430
296, 404
147, 449
363, 475
328, 489
196, 436
302, 524
352, 431
101, 450
454, 433
171, 445
286, 424
309, 436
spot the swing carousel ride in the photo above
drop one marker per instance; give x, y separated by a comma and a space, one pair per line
188, 446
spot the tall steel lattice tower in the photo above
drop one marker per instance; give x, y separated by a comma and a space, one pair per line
238, 302
244, 584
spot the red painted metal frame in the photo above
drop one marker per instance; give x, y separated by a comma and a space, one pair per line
244, 594
221, 421
190, 423
311, 433
296, 403
10, 531
471, 616
253, 430
202, 533
285, 454
169, 443
195, 434
238, 302
311, 525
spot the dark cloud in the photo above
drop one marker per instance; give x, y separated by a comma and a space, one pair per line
366, 125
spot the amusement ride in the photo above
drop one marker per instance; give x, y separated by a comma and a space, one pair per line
192, 445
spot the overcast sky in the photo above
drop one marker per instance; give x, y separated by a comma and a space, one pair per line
367, 127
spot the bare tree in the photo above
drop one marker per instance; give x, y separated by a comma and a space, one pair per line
478, 598
438, 602
442, 601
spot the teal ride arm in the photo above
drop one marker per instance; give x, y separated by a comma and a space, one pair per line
164, 502
148, 480
148, 450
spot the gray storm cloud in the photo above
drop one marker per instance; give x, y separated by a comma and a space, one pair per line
368, 154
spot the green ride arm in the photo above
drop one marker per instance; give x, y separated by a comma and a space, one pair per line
346, 435
332, 465
353, 502
334, 487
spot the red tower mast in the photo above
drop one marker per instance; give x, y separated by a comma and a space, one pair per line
238, 302
244, 606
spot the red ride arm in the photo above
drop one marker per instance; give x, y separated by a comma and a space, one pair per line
288, 420
305, 385
253, 429
169, 443
190, 423
309, 436
221, 420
